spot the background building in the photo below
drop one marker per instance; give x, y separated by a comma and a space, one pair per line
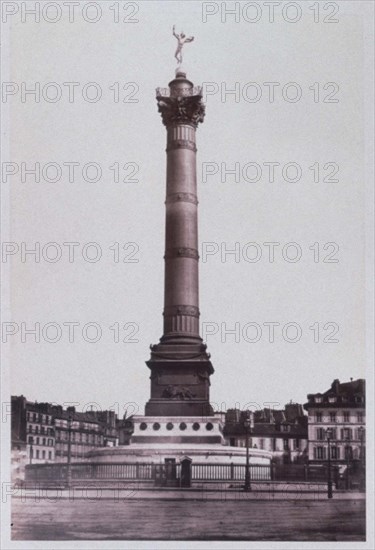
18, 438
341, 410
40, 436
283, 432
32, 430
40, 433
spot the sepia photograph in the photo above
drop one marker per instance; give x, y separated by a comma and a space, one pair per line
187, 193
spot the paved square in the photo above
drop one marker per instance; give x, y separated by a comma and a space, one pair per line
160, 519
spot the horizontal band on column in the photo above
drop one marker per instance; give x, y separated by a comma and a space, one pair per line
181, 132
183, 197
181, 253
181, 144
170, 311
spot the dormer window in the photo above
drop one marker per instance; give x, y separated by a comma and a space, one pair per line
332, 399
318, 399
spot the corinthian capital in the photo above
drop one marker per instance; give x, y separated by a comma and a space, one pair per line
181, 109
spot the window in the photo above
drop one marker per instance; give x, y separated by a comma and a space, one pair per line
49, 455
274, 446
320, 434
332, 417
318, 417
348, 452
333, 433
359, 417
30, 438
346, 433
261, 443
30, 428
319, 453
37, 440
346, 416
286, 444
44, 440
296, 443
37, 453
361, 434
318, 399
335, 453
36, 429
43, 454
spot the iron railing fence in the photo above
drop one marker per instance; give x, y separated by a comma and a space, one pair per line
151, 471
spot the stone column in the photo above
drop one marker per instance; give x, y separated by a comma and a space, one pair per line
180, 366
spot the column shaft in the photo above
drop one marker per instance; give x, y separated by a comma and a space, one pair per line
181, 288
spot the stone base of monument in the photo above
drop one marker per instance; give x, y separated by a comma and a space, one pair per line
213, 453
175, 439
177, 429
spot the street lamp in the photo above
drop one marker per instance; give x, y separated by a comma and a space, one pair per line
31, 450
69, 472
361, 432
329, 481
348, 457
248, 424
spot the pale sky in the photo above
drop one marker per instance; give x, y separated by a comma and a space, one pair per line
329, 296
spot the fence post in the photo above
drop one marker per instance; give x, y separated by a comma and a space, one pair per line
231, 470
306, 472
273, 471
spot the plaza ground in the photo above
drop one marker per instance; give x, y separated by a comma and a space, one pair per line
199, 516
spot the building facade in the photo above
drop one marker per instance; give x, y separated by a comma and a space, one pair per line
282, 432
42, 433
79, 430
19, 456
336, 419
